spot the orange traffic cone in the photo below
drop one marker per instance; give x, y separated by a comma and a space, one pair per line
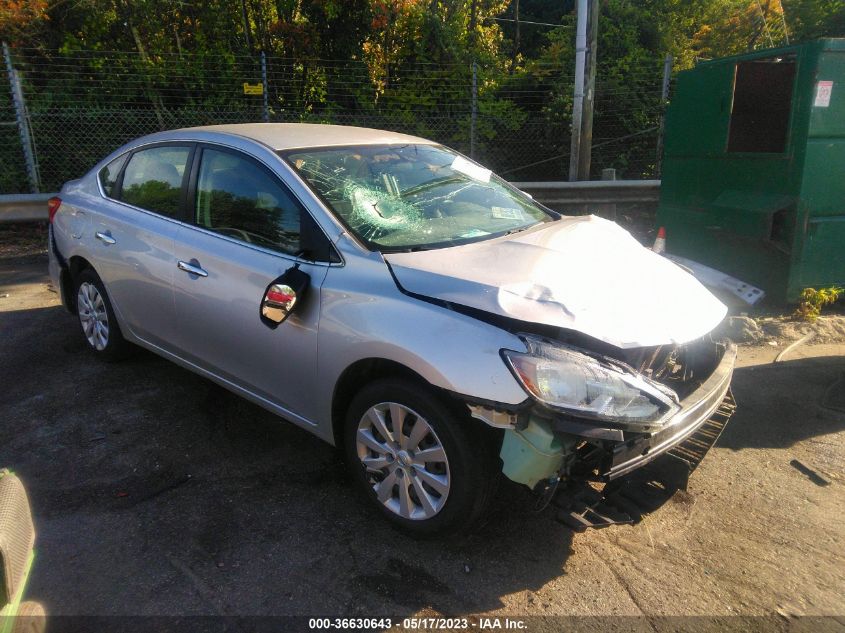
660, 241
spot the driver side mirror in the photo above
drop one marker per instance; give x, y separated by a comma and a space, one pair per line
283, 296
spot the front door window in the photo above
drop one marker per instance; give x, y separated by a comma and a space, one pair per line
239, 198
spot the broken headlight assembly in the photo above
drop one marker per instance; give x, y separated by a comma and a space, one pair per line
583, 386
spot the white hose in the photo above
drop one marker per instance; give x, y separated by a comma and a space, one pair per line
807, 337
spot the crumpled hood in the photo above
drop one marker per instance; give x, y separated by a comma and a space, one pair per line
582, 273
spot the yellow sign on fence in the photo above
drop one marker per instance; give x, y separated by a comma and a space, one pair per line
253, 89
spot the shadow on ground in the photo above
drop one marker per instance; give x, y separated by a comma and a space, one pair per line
148, 481
768, 413
21, 271
156, 492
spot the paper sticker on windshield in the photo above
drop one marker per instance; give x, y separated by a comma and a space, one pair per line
823, 90
475, 172
474, 233
505, 213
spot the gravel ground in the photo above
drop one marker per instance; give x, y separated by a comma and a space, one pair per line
157, 493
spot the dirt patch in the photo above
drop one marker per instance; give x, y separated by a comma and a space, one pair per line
155, 492
22, 239
779, 331
785, 330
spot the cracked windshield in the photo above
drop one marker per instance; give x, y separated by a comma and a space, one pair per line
415, 197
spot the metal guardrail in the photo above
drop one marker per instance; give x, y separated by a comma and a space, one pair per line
24, 207
561, 194
33, 207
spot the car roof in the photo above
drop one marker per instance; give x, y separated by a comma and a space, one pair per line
284, 136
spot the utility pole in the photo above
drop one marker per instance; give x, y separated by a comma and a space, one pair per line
664, 100
473, 17
586, 143
473, 121
265, 87
515, 35
578, 92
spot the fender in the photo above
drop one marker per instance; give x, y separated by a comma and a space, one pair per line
364, 316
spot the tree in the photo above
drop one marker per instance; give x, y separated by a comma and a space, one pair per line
17, 17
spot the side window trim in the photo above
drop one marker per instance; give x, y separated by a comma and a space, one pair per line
306, 218
118, 183
182, 214
116, 187
191, 193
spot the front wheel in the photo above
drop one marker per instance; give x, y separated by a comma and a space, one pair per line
425, 466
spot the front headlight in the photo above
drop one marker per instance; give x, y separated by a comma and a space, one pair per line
565, 379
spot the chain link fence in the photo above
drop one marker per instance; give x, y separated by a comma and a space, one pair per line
628, 109
83, 105
12, 167
12, 160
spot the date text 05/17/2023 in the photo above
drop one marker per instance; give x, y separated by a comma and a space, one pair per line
420, 624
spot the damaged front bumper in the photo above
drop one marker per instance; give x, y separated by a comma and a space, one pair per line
542, 447
695, 410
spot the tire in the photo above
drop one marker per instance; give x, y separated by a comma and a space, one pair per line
97, 322
444, 495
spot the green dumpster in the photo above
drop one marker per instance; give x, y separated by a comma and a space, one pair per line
754, 167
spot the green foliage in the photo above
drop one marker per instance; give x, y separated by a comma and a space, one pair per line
810, 19
401, 33
17, 16
812, 301
403, 64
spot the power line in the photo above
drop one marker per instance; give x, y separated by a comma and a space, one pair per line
595, 145
528, 22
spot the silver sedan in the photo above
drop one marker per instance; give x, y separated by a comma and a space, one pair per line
397, 300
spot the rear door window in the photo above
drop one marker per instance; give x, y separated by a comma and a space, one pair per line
239, 198
153, 179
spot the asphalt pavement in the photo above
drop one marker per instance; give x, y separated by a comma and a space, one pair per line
157, 493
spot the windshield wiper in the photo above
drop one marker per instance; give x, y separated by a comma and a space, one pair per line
519, 230
430, 184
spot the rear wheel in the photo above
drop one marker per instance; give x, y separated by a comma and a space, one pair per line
425, 466
96, 317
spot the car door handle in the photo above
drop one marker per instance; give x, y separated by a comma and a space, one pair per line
105, 238
194, 269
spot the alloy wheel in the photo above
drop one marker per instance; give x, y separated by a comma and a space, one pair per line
405, 462
93, 316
